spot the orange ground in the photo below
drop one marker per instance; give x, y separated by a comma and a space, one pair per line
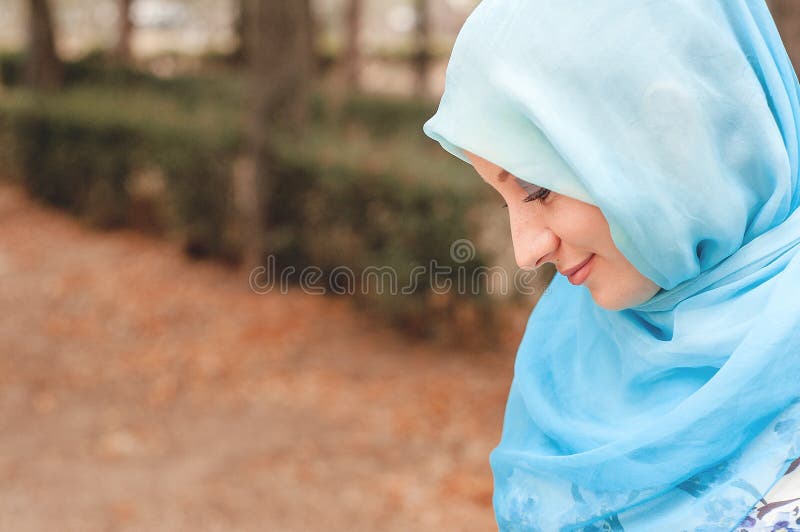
144, 391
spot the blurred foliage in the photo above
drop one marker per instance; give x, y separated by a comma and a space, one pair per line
98, 69
386, 115
11, 68
363, 188
352, 201
78, 149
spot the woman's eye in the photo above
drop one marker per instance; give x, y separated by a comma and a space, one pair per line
539, 195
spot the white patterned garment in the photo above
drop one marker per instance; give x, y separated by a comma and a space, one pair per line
779, 510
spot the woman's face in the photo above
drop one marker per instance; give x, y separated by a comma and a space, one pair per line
571, 234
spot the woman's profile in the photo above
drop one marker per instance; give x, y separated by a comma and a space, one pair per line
649, 150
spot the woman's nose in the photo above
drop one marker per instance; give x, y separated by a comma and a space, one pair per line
534, 244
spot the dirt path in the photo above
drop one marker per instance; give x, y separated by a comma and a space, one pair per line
143, 391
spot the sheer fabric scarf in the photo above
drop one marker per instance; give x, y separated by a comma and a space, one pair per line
679, 120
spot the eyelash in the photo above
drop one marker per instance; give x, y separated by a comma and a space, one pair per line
539, 195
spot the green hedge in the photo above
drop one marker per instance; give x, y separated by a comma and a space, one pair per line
11, 68
385, 116
354, 192
96, 69
359, 207
80, 168
77, 150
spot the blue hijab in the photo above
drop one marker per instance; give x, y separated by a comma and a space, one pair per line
679, 120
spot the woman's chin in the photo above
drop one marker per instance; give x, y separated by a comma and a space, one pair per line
609, 303
615, 299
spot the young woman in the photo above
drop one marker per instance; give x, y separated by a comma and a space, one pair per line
649, 150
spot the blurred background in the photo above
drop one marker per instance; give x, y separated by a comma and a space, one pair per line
157, 158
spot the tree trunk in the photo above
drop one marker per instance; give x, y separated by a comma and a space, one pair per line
125, 31
281, 72
422, 46
43, 69
310, 36
352, 54
242, 25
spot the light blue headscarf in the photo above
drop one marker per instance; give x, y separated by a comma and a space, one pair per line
679, 120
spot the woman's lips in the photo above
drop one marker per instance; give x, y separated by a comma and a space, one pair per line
579, 274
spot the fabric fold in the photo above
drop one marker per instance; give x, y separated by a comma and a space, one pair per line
679, 120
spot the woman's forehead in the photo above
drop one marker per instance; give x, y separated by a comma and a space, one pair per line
486, 167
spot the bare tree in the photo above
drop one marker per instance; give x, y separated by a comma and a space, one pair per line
352, 54
43, 69
422, 46
281, 71
124, 31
